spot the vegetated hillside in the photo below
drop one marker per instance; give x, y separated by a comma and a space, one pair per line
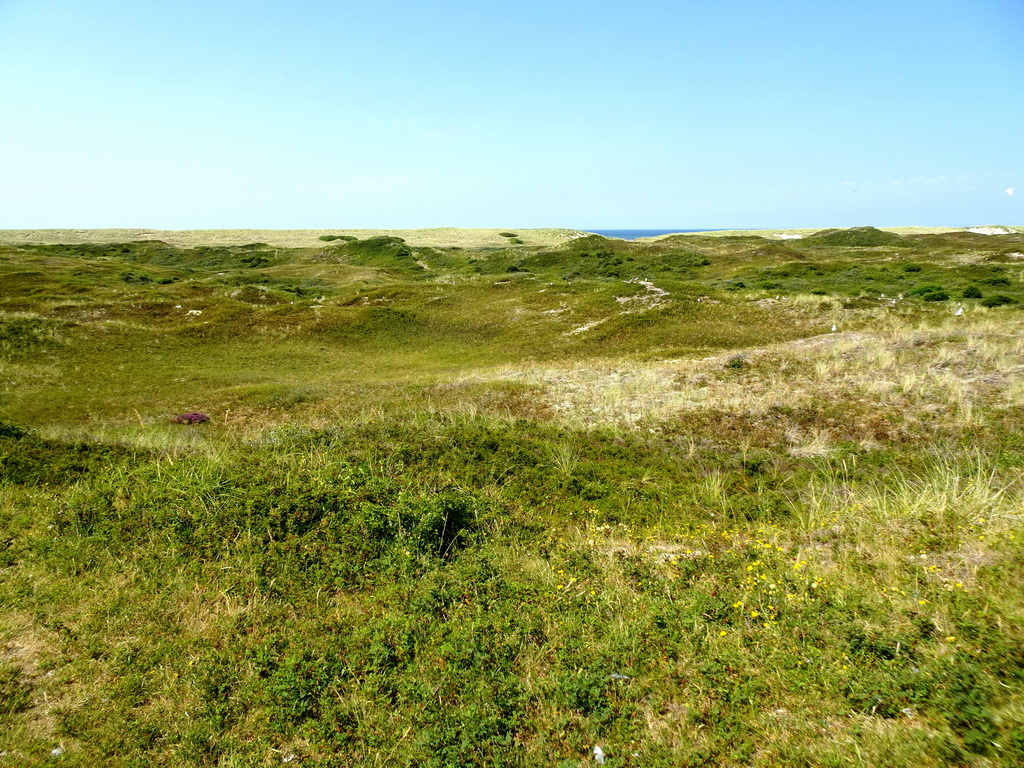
287, 238
864, 237
699, 500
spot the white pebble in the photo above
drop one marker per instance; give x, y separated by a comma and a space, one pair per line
598, 755
57, 752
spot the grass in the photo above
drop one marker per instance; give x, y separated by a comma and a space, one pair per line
805, 231
504, 507
442, 237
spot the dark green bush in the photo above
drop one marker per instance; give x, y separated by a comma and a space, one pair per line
736, 362
12, 430
136, 278
442, 523
255, 261
972, 292
508, 234
936, 296
998, 300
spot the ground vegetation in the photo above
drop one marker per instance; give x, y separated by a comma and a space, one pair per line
376, 500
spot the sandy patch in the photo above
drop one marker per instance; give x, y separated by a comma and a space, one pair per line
991, 230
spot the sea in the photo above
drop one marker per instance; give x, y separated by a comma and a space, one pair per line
633, 234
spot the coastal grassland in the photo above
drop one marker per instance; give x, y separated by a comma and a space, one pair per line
803, 232
445, 237
502, 508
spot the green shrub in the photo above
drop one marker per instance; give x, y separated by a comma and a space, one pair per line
736, 362
508, 234
255, 261
998, 300
12, 430
930, 292
136, 278
442, 523
972, 292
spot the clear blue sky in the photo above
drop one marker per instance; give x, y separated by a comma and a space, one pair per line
654, 113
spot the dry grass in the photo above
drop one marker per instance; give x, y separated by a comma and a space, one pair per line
28, 648
948, 369
438, 237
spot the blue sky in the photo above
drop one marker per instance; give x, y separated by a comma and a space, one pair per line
308, 114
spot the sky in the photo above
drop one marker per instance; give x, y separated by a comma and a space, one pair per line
309, 114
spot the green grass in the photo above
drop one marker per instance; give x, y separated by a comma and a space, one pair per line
498, 506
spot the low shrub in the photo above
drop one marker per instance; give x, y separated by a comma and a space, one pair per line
12, 430
736, 362
998, 300
930, 292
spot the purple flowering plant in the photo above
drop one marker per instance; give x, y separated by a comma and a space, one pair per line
190, 418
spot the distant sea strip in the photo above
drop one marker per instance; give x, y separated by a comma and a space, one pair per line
633, 234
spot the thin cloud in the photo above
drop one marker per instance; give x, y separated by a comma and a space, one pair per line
1010, 191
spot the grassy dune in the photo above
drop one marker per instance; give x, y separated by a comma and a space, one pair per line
438, 237
698, 501
772, 233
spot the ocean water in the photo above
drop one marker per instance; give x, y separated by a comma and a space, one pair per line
633, 234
